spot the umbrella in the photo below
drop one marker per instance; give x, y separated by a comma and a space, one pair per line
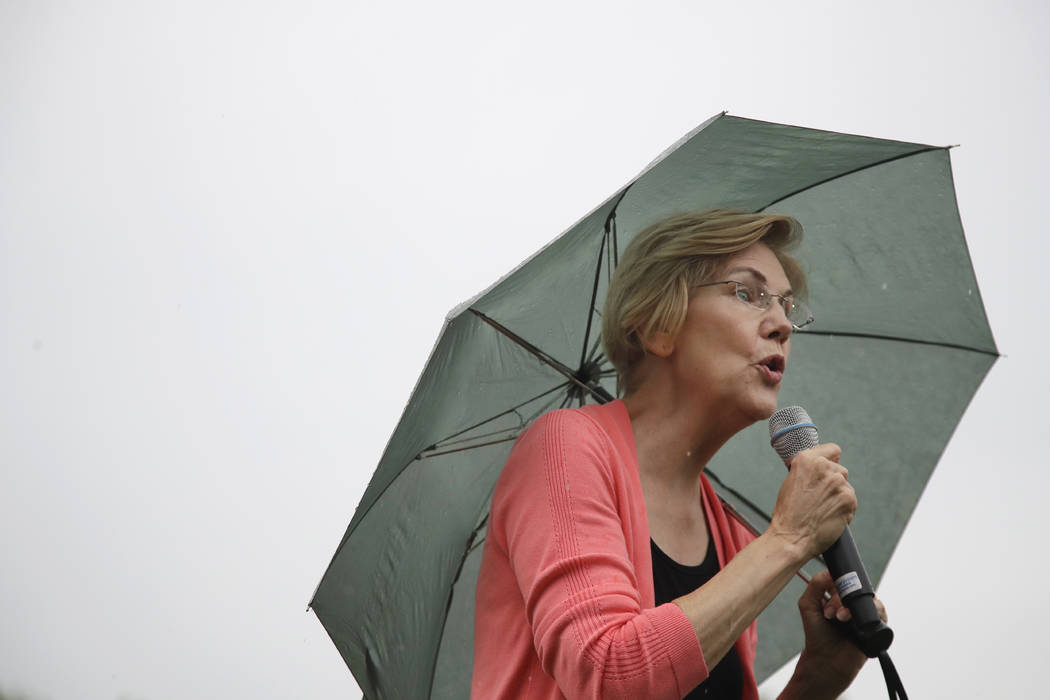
900, 345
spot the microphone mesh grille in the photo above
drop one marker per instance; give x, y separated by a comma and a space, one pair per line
792, 441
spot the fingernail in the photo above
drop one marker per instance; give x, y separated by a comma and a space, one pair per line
843, 614
827, 613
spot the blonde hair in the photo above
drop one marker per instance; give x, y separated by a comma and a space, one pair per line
649, 292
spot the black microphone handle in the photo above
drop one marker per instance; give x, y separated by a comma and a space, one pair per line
866, 629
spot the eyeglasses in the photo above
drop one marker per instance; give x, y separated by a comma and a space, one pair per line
757, 296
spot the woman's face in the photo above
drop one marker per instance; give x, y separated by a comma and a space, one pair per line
732, 353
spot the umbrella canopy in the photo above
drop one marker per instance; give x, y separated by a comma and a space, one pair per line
900, 345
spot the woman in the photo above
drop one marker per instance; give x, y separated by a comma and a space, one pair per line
610, 569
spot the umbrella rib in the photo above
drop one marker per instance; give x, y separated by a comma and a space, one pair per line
744, 499
610, 220
739, 517
600, 394
917, 341
468, 447
448, 601
350, 530
595, 355
810, 186
611, 260
512, 409
594, 296
523, 421
449, 443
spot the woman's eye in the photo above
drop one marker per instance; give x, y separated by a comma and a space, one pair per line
744, 294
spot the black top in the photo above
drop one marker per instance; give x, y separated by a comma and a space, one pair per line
673, 580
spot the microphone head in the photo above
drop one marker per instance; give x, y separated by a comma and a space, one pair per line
791, 430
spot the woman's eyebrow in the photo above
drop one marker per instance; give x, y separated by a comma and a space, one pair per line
757, 275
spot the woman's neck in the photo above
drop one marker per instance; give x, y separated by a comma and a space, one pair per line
676, 436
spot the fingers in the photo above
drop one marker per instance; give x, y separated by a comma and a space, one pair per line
816, 594
816, 500
821, 595
826, 455
837, 611
827, 450
817, 465
834, 609
882, 609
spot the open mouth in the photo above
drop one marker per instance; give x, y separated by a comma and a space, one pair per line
772, 368
774, 363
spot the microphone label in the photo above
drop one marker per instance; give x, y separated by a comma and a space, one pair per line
847, 583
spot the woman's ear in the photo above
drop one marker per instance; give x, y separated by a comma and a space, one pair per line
659, 343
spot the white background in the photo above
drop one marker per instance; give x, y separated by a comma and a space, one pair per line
230, 231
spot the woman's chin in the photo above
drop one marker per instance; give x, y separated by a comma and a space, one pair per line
762, 409
762, 415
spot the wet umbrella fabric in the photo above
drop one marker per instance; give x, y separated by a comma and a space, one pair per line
900, 345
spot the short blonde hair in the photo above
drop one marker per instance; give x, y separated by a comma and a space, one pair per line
650, 289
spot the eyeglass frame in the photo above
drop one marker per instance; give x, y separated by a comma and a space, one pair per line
764, 292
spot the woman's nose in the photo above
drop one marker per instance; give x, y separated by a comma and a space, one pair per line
779, 325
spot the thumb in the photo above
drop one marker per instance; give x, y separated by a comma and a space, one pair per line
812, 599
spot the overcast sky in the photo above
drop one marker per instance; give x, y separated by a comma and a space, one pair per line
230, 232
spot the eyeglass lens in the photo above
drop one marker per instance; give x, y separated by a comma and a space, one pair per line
761, 298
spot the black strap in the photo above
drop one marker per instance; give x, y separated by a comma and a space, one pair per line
893, 679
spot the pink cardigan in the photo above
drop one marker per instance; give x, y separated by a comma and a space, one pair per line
565, 603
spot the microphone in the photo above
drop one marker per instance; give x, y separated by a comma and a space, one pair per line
791, 431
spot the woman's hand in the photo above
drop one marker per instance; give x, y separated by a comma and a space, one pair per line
830, 661
815, 502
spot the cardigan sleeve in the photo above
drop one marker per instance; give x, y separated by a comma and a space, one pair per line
557, 513
743, 537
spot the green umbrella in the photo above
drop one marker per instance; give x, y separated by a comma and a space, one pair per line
900, 345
